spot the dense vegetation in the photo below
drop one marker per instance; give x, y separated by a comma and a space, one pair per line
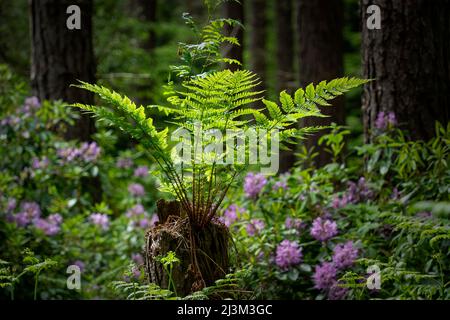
371, 222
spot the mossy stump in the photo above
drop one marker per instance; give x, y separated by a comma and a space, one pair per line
203, 253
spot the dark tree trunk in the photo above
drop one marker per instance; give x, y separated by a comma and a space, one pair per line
320, 27
285, 64
409, 60
258, 23
148, 14
234, 10
61, 56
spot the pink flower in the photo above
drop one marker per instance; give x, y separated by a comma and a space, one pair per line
253, 184
141, 172
100, 220
254, 226
323, 229
288, 254
136, 189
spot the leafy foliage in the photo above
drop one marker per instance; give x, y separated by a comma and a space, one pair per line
215, 100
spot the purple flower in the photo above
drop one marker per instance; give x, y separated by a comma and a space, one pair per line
50, 229
293, 223
154, 220
100, 220
254, 226
339, 202
344, 255
253, 184
384, 121
51, 225
324, 276
80, 264
137, 210
337, 292
144, 223
356, 192
33, 102
380, 122
141, 172
323, 229
280, 185
89, 151
230, 215
136, 189
124, 163
137, 258
68, 154
30, 211
55, 218
12, 203
288, 254
392, 119
136, 273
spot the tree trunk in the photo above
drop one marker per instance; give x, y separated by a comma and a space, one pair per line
409, 60
258, 40
320, 28
285, 64
61, 56
203, 253
234, 10
148, 14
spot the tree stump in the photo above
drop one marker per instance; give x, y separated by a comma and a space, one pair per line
203, 253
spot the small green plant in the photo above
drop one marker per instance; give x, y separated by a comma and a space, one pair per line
32, 265
134, 291
168, 261
335, 141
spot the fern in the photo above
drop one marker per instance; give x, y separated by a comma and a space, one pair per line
212, 101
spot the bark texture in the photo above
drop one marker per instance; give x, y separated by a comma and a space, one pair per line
258, 23
409, 60
320, 24
203, 253
61, 56
285, 64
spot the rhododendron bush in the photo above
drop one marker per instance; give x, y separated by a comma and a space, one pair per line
312, 233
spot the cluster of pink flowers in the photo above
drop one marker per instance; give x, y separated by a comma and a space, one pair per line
253, 184
357, 192
344, 255
101, 220
50, 226
37, 163
231, 215
30, 215
325, 275
254, 227
323, 229
136, 189
139, 217
29, 212
30, 105
141, 172
385, 121
294, 223
280, 185
137, 258
124, 163
87, 152
288, 254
